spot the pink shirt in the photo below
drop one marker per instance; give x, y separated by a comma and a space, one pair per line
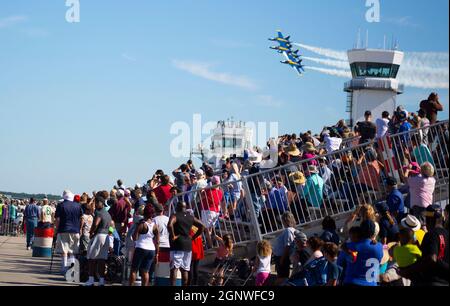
421, 190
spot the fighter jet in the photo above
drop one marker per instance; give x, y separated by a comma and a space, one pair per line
281, 49
294, 63
283, 41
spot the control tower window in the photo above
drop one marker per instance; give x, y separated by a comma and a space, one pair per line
374, 70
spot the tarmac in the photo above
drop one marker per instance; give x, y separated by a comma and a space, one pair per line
19, 268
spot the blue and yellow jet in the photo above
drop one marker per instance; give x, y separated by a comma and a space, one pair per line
292, 57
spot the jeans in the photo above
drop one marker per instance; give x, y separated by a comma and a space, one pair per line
257, 204
31, 224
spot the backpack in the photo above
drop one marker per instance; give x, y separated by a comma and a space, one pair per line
313, 274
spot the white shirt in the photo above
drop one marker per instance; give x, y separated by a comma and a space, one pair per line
161, 222
382, 127
145, 241
264, 265
332, 143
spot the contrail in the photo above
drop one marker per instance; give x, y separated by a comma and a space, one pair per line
419, 69
334, 72
336, 54
328, 62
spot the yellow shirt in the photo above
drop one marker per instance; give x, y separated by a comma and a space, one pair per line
419, 235
406, 255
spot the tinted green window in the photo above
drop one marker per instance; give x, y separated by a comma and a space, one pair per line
374, 70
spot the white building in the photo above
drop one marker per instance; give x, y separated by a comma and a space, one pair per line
374, 85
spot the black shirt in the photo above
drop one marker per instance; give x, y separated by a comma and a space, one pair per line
435, 242
182, 227
367, 130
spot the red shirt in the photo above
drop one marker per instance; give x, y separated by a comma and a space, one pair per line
211, 199
162, 194
198, 253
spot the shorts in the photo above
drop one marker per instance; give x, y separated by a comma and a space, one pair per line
209, 218
284, 270
142, 260
180, 260
261, 278
67, 243
98, 248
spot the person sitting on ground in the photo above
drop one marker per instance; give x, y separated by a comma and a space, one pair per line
334, 272
262, 268
411, 222
282, 247
394, 199
357, 270
223, 255
421, 189
329, 231
433, 268
388, 225
301, 252
407, 253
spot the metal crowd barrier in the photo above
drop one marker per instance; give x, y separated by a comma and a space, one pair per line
427, 144
349, 177
11, 227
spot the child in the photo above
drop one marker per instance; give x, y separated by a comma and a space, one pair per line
331, 251
408, 252
224, 253
262, 263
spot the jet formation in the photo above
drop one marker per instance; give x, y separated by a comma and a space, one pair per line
284, 47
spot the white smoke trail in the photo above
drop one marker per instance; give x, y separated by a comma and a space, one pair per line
336, 54
334, 72
328, 62
427, 70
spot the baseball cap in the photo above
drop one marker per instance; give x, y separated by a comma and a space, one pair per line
390, 181
433, 211
300, 236
368, 113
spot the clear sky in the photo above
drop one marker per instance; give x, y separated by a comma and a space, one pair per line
83, 104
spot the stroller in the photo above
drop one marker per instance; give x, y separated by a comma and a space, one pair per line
233, 272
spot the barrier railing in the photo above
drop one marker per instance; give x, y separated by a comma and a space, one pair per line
427, 144
11, 226
351, 176
222, 209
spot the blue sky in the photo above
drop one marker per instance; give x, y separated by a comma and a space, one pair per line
83, 104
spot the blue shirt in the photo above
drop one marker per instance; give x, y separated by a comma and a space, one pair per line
278, 199
395, 202
69, 214
31, 211
365, 270
285, 239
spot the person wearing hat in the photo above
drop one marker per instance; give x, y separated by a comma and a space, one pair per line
68, 224
332, 142
394, 199
414, 224
421, 189
293, 152
313, 191
366, 129
433, 268
301, 251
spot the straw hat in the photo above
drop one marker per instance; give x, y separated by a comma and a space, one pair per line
292, 150
298, 178
309, 147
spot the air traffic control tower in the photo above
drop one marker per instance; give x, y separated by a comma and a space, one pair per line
374, 85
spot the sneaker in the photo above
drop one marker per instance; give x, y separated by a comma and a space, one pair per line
28, 248
88, 284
